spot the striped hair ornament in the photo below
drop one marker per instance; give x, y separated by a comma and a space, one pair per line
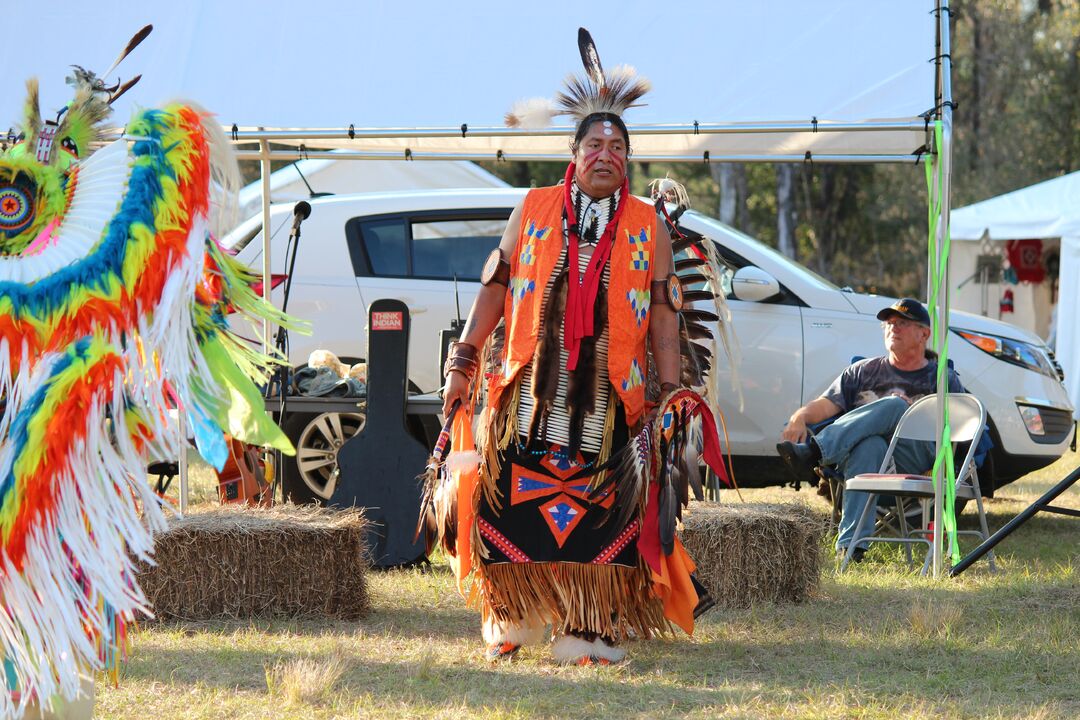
114, 305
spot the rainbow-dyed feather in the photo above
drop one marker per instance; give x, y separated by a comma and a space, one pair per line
99, 330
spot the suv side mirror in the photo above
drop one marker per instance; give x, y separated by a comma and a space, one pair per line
753, 284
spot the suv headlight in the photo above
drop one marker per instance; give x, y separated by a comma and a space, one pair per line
1011, 351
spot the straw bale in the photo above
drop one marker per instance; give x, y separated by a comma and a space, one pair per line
241, 562
752, 552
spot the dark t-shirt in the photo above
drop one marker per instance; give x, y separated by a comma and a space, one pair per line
874, 378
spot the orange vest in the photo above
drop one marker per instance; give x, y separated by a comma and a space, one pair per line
631, 268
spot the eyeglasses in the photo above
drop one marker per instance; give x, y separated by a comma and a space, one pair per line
897, 324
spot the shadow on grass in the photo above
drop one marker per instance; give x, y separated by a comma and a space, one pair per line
407, 622
663, 678
534, 686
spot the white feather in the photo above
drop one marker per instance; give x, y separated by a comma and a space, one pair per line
532, 114
462, 461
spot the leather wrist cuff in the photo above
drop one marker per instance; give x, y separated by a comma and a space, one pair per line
463, 358
496, 270
464, 350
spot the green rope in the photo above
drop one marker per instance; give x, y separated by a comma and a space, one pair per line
936, 264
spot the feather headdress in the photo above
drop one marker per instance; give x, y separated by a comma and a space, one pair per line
596, 92
113, 304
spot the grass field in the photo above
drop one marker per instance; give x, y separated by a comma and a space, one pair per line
877, 642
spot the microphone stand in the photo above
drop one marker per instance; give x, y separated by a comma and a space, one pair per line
281, 340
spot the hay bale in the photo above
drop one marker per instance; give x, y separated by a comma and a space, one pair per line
241, 562
753, 552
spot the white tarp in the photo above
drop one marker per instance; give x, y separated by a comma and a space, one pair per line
1049, 209
339, 177
376, 64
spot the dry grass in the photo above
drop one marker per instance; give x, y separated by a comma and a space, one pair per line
306, 680
877, 643
934, 619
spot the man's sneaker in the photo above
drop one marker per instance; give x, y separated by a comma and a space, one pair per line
501, 651
800, 459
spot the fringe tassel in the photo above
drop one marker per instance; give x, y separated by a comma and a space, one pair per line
609, 429
501, 431
611, 600
479, 550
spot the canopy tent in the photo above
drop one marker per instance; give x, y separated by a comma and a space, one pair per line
775, 81
397, 70
307, 178
1046, 210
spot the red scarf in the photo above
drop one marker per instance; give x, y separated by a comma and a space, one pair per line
581, 292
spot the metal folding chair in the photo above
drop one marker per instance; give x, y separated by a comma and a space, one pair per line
967, 420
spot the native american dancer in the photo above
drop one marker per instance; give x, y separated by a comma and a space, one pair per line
113, 297
567, 514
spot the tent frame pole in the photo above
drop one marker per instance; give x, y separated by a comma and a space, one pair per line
765, 128
944, 95
305, 154
264, 173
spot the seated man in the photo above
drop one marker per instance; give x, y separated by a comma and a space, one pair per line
872, 394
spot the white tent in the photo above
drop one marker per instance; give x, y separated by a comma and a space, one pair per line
302, 179
1049, 210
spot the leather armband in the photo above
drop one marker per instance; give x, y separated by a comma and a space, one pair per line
463, 358
668, 292
496, 270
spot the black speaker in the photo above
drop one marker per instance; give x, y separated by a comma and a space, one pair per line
450, 335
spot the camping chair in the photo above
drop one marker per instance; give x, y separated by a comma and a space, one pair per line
967, 418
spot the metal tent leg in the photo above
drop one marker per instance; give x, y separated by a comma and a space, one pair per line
1042, 503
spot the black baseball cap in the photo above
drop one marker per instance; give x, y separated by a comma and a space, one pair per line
908, 308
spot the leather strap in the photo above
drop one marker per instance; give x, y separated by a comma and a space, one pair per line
668, 292
496, 270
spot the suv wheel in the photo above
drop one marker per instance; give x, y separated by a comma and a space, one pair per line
312, 476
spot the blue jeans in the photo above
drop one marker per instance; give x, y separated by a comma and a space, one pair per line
856, 442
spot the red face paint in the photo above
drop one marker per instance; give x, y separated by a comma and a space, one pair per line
590, 159
618, 164
601, 149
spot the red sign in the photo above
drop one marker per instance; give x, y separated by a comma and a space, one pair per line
386, 321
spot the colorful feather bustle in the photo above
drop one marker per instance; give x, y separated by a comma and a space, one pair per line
113, 299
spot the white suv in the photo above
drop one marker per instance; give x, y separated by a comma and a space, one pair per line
796, 331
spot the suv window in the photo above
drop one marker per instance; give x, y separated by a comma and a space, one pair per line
453, 248
439, 245
386, 247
